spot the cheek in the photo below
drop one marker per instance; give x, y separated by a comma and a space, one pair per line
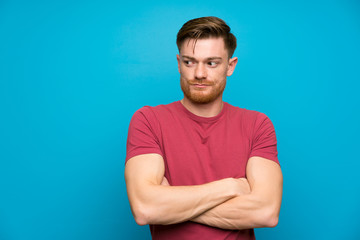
185, 73
220, 75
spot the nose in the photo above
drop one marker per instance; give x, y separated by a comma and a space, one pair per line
200, 71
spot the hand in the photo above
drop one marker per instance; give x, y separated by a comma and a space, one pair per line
243, 186
236, 186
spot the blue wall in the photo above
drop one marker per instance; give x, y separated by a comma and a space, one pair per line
72, 75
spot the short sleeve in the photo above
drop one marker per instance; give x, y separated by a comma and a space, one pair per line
264, 143
142, 134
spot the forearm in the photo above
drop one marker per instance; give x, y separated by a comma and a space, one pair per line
159, 204
259, 207
242, 212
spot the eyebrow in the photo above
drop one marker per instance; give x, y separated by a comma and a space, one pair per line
209, 58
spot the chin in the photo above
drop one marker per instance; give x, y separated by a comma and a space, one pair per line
202, 98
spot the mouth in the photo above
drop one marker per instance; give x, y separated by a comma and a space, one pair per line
198, 85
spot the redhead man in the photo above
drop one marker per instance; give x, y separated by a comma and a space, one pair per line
200, 168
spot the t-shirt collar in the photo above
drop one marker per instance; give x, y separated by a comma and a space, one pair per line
199, 118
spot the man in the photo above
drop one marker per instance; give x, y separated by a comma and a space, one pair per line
201, 168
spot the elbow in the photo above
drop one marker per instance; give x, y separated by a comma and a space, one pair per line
142, 215
270, 219
140, 220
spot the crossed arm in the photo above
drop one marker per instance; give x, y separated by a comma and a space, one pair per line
227, 203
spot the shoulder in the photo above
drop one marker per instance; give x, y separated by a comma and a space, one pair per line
245, 114
250, 121
155, 112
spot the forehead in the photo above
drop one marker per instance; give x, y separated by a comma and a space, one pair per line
204, 48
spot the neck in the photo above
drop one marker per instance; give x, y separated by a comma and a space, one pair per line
204, 109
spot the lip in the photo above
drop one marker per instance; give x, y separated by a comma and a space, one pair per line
200, 85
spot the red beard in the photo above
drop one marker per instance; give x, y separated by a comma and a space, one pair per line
199, 96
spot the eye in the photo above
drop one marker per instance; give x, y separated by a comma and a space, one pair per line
212, 64
188, 62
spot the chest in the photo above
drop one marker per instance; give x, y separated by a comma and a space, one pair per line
198, 153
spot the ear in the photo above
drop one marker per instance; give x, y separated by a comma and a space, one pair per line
178, 60
232, 64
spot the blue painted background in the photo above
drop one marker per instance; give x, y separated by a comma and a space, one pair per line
73, 73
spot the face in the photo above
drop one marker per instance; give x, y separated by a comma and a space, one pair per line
203, 69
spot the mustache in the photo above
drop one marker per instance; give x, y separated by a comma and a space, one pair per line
202, 82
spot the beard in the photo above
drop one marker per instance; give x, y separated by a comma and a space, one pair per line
202, 96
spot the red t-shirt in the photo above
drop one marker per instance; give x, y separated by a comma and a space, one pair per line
197, 150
